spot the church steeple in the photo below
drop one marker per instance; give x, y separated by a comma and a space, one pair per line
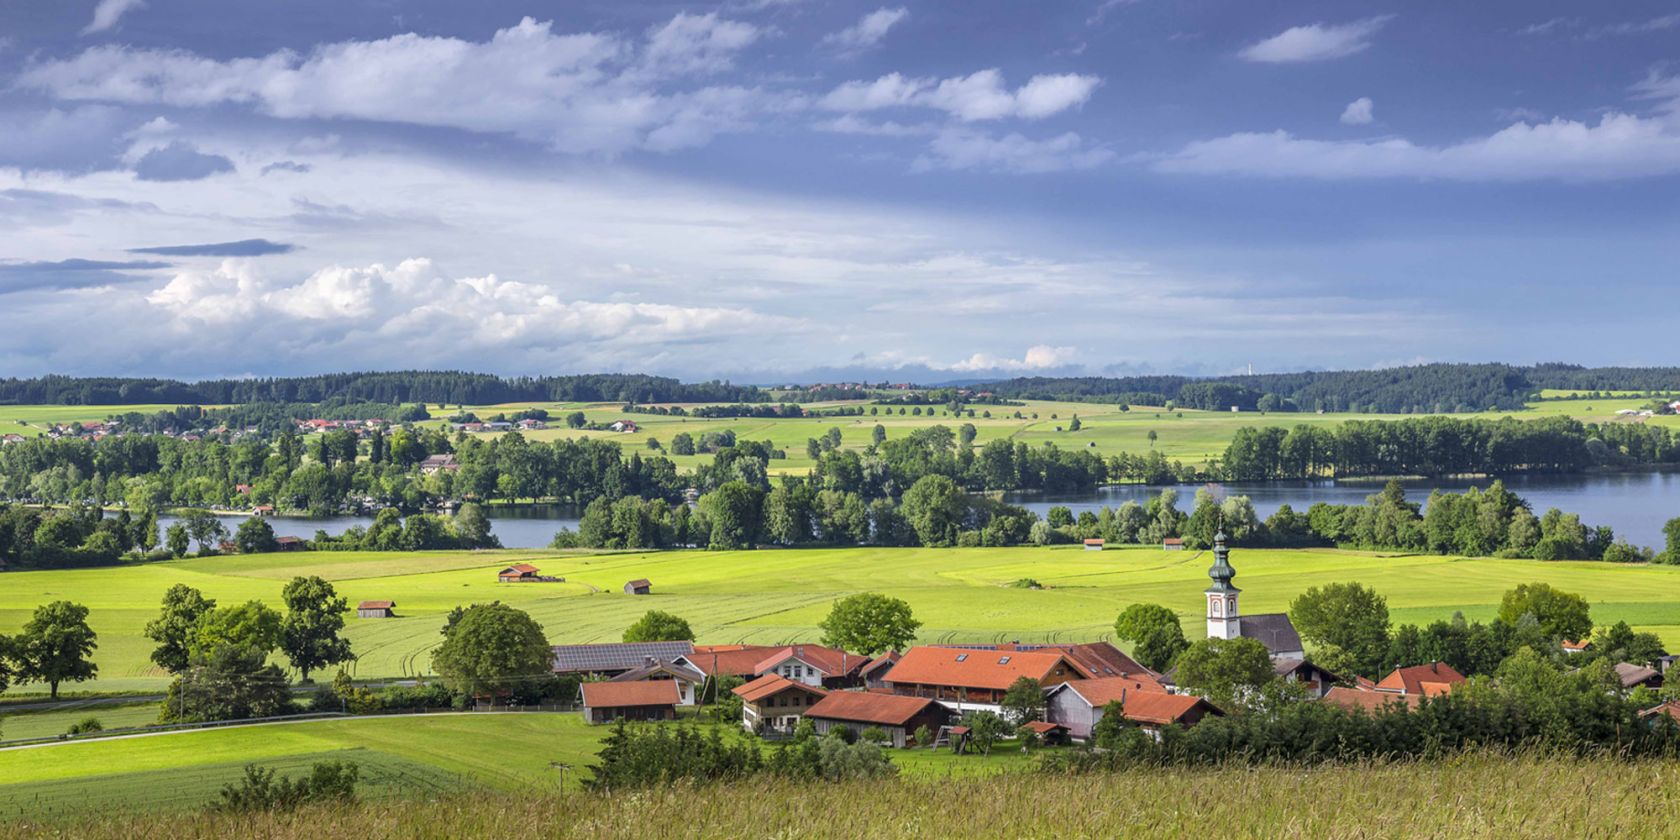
1223, 618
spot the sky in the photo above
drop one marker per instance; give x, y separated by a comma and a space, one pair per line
800, 190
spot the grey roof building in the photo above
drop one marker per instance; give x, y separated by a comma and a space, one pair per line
615, 658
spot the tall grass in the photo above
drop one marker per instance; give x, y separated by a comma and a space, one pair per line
1471, 796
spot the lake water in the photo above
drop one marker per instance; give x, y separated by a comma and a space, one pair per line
524, 526
1635, 505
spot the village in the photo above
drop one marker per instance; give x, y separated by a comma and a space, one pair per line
928, 695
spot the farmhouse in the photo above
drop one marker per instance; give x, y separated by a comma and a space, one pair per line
814, 665
376, 609
604, 702
958, 676
1369, 700
1226, 621
1421, 680
518, 573
614, 658
774, 703
1633, 676
436, 463
686, 678
1575, 646
639, 586
897, 715
1078, 705
728, 660
874, 674
1316, 680
624, 426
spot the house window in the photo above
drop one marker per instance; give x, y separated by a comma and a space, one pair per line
1003, 660
1217, 607
962, 657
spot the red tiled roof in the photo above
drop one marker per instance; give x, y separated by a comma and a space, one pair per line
1353, 699
1141, 703
376, 605
609, 695
728, 660
868, 707
1671, 708
521, 568
830, 661
1044, 727
771, 685
967, 668
891, 657
1569, 644
1434, 678
1094, 542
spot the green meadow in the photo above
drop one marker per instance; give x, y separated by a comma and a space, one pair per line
777, 596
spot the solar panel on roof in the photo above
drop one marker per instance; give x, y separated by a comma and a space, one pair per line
615, 657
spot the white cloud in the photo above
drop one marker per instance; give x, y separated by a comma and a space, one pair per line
1619, 146
105, 14
979, 96
584, 92
1656, 24
1011, 153
1358, 112
868, 32
1316, 42
1037, 357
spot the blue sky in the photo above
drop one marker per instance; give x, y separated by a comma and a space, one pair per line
768, 189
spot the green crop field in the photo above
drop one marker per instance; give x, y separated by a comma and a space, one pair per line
31, 420
774, 596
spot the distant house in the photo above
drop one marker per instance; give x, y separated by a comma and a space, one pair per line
1368, 700
624, 426
498, 426
290, 543
1078, 705
1172, 544
614, 658
376, 609
1093, 545
1316, 680
1276, 632
685, 676
1573, 646
242, 489
1421, 680
639, 586
518, 573
605, 702
436, 463
728, 660
897, 715
774, 703
1051, 734
1671, 709
531, 424
263, 510
1633, 676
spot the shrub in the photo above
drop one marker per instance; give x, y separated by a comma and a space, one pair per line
924, 735
261, 790
85, 726
873, 735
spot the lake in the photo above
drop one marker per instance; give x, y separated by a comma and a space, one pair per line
1635, 505
522, 526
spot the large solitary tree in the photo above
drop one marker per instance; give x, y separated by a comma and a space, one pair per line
869, 623
176, 626
491, 649
309, 632
55, 645
255, 536
658, 626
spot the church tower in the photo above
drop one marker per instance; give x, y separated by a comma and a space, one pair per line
1223, 620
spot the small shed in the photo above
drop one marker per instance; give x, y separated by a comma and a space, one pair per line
1094, 545
897, 715
263, 510
518, 573
1052, 734
604, 702
639, 586
376, 609
290, 543
1172, 544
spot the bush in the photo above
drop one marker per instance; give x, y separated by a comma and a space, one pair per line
260, 790
85, 726
874, 735
924, 736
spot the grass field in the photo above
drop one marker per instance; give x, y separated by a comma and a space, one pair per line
416, 754
1476, 796
776, 596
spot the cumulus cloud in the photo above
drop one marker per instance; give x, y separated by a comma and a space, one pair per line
868, 32
1316, 41
106, 14
1358, 112
585, 92
179, 161
1010, 153
1037, 357
976, 97
1619, 145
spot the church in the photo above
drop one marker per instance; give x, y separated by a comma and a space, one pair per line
1226, 621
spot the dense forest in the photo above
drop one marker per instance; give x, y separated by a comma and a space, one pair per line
451, 387
1436, 388
1438, 446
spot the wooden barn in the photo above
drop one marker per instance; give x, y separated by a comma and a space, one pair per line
640, 586
376, 609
